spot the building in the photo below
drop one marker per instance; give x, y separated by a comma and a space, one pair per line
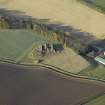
97, 51
98, 47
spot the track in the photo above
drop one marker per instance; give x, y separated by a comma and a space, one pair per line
20, 85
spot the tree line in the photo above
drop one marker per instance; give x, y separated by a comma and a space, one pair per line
57, 35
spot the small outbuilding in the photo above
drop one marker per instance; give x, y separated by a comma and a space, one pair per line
98, 48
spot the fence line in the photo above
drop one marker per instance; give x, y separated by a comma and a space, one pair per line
56, 69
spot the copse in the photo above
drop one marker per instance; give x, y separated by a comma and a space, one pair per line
53, 32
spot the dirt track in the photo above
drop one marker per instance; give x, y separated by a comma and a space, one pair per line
40, 86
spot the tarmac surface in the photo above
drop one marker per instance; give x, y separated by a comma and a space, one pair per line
21, 85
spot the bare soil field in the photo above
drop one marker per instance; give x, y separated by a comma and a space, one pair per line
20, 85
68, 12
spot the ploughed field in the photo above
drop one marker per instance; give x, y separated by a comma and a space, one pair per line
21, 85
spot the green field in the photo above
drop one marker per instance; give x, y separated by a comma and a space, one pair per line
98, 72
100, 4
14, 44
97, 101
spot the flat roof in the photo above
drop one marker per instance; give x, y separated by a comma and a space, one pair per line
100, 60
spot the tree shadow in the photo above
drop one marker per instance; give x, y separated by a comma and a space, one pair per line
74, 38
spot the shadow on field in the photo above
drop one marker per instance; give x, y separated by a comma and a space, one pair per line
75, 38
72, 34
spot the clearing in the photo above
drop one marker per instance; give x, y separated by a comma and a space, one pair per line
15, 45
97, 101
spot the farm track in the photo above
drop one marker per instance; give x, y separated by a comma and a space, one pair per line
21, 85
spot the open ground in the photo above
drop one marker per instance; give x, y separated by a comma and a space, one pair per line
20, 85
98, 101
14, 44
39, 84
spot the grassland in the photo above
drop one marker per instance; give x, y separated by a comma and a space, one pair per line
17, 45
14, 44
98, 72
68, 12
68, 61
99, 4
4, 1
97, 101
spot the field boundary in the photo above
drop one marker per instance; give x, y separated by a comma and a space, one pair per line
25, 53
91, 6
80, 102
56, 69
91, 99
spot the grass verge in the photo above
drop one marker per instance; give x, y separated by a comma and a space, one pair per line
98, 101
98, 72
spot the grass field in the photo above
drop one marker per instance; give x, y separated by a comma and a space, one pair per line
100, 4
14, 44
97, 101
98, 72
68, 12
